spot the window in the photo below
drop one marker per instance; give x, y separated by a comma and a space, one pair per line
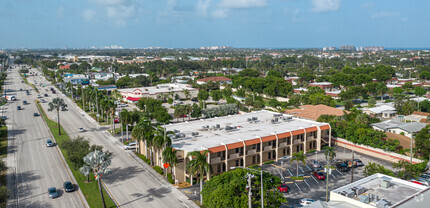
237, 162
219, 168
269, 155
253, 159
283, 152
237, 150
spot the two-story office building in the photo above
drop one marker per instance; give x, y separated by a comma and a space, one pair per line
243, 140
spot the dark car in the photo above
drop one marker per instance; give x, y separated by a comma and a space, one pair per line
24, 102
35, 114
319, 175
53, 91
283, 188
19, 107
46, 95
194, 99
68, 186
52, 192
342, 167
4, 117
358, 163
49, 143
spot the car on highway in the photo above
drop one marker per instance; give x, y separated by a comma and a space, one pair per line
20, 89
4, 117
42, 100
18, 107
46, 95
81, 129
49, 143
319, 175
36, 114
24, 102
116, 120
131, 145
68, 186
306, 201
39, 96
283, 188
53, 193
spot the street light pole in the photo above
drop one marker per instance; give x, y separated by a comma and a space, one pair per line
249, 190
262, 185
352, 167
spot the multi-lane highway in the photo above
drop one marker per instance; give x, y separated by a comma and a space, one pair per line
132, 183
33, 167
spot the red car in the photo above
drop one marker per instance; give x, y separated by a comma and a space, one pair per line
283, 188
319, 175
116, 120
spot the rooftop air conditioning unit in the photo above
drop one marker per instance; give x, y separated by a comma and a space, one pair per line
364, 199
227, 128
218, 126
350, 194
382, 203
385, 184
250, 120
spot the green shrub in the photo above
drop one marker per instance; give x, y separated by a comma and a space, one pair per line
297, 178
269, 162
143, 158
158, 169
254, 166
311, 151
170, 178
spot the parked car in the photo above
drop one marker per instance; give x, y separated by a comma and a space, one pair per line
283, 188
81, 129
36, 114
116, 120
319, 175
342, 167
306, 201
315, 164
194, 99
53, 193
131, 145
49, 143
358, 162
4, 117
68, 186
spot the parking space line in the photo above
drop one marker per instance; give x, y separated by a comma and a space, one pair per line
333, 175
307, 183
339, 171
308, 167
298, 186
301, 169
290, 172
315, 179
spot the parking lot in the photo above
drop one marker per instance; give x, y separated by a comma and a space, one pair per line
311, 187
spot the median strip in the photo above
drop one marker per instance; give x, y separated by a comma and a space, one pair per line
89, 190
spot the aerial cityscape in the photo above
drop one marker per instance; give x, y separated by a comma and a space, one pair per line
215, 104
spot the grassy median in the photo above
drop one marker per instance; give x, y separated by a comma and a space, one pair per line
3, 141
90, 190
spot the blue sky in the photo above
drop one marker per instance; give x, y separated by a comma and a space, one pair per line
195, 23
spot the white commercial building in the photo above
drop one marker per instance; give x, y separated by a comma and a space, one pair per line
158, 92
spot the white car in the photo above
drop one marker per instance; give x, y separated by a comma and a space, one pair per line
81, 129
306, 201
39, 96
131, 145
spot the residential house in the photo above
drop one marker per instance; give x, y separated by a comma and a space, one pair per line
397, 127
313, 112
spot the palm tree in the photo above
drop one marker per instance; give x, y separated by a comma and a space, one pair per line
199, 166
169, 156
187, 93
400, 165
161, 140
97, 162
428, 119
57, 104
298, 157
329, 153
123, 117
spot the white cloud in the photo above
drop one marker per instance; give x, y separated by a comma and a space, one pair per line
367, 5
120, 12
89, 15
384, 14
220, 13
296, 15
325, 5
60, 11
202, 7
242, 4
108, 2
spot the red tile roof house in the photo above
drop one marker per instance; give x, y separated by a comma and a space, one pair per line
326, 86
221, 80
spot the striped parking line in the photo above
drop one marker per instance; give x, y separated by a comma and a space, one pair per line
298, 186
307, 183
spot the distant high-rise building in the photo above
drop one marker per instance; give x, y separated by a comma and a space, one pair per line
374, 48
347, 48
329, 48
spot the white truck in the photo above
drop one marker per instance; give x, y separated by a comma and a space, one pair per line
12, 97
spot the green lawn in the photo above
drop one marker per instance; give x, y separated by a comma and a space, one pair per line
90, 190
3, 141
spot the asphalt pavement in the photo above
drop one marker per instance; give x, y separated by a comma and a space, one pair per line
132, 183
32, 166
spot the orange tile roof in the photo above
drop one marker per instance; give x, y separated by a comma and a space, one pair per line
298, 132
420, 113
268, 138
217, 149
234, 145
214, 79
313, 112
405, 141
252, 141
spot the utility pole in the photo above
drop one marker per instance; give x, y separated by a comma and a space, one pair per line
412, 141
249, 176
262, 194
327, 171
352, 167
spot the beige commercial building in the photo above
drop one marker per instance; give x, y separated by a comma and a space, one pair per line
243, 140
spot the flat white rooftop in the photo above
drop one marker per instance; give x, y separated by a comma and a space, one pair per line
162, 88
245, 130
397, 192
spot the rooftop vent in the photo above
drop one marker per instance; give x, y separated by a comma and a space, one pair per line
385, 184
195, 133
364, 199
358, 190
382, 203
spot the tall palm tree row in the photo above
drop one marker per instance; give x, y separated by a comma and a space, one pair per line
169, 156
